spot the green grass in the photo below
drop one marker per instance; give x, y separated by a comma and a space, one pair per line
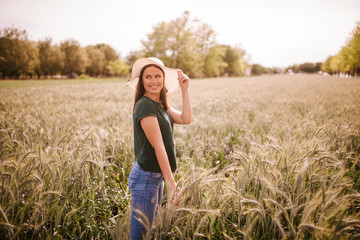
270, 157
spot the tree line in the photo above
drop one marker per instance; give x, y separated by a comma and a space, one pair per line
22, 58
184, 43
305, 68
347, 60
191, 45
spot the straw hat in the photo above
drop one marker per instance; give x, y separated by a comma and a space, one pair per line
171, 75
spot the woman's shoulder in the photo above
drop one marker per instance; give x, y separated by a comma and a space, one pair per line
143, 102
144, 106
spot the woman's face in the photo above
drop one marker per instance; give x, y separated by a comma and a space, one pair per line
153, 80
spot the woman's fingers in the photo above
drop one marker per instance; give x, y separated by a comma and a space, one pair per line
176, 196
183, 79
181, 75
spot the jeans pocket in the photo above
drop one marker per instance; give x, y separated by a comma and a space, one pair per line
156, 178
133, 179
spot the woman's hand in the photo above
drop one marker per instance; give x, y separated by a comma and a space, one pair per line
175, 195
183, 80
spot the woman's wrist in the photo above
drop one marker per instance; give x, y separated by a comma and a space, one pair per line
185, 91
172, 185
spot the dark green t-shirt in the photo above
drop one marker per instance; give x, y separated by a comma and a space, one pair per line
144, 152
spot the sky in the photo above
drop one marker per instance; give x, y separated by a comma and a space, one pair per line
274, 33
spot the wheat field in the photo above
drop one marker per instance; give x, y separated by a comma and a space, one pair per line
269, 157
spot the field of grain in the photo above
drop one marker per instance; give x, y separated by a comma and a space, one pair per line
270, 157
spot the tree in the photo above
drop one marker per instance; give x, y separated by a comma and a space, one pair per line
257, 69
318, 66
133, 56
182, 43
307, 67
56, 60
205, 36
51, 59
354, 50
44, 57
109, 55
348, 58
214, 62
191, 46
33, 58
234, 60
335, 64
118, 67
18, 56
325, 67
75, 58
295, 68
96, 61
99, 56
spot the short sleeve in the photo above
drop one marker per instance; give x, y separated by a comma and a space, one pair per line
144, 109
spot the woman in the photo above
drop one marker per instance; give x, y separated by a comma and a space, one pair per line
153, 136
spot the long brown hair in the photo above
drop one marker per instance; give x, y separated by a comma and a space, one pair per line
140, 90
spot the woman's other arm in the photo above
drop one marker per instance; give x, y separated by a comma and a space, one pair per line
152, 131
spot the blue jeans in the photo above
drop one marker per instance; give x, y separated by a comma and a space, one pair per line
146, 190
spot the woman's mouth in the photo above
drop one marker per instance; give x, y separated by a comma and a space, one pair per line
154, 86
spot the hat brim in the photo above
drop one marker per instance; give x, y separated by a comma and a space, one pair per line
171, 75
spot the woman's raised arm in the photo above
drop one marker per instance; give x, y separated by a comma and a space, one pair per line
185, 116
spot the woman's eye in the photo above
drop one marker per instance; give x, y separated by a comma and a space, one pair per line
158, 76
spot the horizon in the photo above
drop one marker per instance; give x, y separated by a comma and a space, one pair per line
277, 34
